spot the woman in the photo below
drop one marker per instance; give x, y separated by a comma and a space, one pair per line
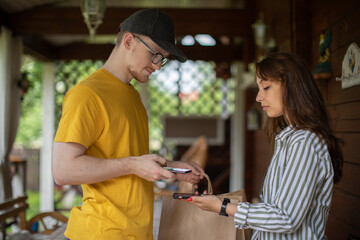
307, 160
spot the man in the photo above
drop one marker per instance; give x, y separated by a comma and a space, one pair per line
102, 138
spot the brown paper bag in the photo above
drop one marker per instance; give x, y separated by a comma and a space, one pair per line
181, 220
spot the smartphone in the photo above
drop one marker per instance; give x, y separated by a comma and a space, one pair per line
182, 195
177, 170
187, 195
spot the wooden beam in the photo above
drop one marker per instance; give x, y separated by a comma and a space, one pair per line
39, 48
218, 53
69, 20
48, 20
216, 22
82, 51
3, 19
11, 202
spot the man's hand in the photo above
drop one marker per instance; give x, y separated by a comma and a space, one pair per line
150, 167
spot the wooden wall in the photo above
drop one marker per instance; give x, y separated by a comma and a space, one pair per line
296, 26
342, 18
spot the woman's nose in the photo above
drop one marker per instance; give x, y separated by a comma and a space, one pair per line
259, 97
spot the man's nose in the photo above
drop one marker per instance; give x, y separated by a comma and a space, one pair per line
157, 66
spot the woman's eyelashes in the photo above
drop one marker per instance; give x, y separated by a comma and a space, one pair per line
266, 88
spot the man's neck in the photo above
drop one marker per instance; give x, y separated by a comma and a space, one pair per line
115, 65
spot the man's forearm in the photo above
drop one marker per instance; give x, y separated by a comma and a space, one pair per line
71, 166
87, 170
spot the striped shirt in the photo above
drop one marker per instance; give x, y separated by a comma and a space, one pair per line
296, 193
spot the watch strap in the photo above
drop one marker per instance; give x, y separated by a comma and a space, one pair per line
223, 207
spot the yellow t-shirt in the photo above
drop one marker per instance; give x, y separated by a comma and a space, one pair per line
107, 117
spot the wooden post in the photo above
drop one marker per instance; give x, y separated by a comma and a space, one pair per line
46, 178
237, 171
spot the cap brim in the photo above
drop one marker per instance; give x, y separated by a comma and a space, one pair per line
171, 49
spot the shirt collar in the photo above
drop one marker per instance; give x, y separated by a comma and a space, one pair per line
284, 134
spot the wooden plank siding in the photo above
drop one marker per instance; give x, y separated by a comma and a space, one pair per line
344, 218
351, 147
350, 181
344, 205
341, 18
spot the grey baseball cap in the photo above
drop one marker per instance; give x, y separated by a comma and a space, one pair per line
156, 25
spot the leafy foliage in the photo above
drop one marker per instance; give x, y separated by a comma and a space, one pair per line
29, 130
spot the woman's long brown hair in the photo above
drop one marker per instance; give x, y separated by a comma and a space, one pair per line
303, 103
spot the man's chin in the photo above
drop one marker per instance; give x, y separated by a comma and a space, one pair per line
142, 79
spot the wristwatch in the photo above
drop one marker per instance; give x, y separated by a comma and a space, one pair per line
223, 207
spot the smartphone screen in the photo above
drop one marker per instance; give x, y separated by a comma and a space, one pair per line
177, 170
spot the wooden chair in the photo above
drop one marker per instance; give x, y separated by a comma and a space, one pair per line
13, 211
48, 222
10, 210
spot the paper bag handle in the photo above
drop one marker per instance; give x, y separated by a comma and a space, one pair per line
209, 186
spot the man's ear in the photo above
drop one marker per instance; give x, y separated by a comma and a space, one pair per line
128, 40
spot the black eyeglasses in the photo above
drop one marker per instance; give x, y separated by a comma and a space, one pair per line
158, 57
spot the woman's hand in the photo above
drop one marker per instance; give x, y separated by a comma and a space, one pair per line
212, 203
208, 203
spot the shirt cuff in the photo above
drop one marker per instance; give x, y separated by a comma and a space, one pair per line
240, 218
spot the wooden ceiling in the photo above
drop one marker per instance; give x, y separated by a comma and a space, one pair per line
56, 29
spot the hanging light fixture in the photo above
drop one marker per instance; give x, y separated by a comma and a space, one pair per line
93, 12
259, 28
